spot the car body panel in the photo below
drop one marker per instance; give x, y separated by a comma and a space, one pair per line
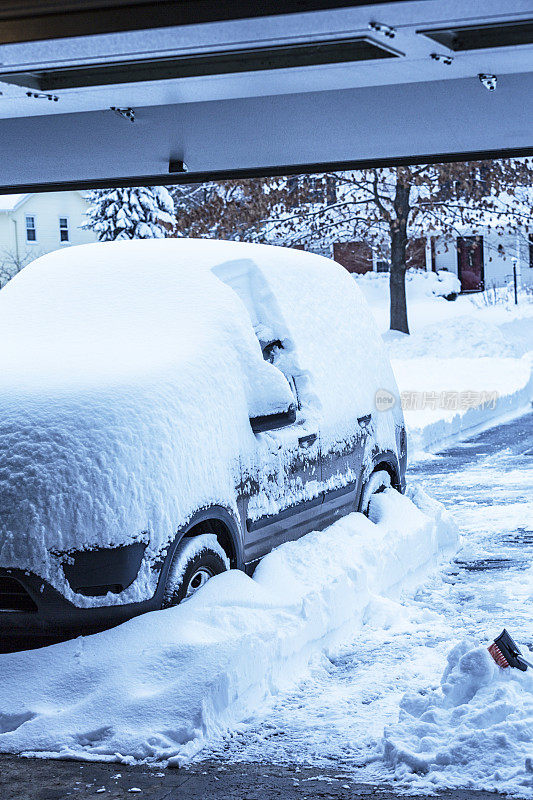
281, 481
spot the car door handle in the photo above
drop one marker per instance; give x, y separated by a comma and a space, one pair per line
307, 441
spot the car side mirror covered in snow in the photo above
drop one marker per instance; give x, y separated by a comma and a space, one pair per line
271, 422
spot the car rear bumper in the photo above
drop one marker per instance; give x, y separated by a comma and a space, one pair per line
32, 611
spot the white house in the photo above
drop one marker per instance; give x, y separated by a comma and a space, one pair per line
34, 224
480, 259
485, 259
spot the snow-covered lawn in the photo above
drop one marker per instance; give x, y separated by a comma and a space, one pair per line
465, 363
162, 684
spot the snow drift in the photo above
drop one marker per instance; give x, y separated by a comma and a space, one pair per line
475, 730
161, 685
420, 284
455, 396
478, 345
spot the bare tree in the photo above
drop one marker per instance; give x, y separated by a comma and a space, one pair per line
235, 210
384, 207
389, 207
12, 262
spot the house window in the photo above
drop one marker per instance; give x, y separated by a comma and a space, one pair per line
63, 229
307, 189
315, 189
31, 233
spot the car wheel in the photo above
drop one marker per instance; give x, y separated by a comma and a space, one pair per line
378, 482
195, 561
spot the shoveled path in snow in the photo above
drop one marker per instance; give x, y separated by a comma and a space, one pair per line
336, 716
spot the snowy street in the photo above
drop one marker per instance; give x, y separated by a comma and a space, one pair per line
325, 736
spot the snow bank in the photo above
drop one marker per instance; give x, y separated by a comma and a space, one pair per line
445, 399
456, 355
475, 730
419, 284
161, 685
465, 336
462, 372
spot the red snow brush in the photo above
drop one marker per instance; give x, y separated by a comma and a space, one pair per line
506, 654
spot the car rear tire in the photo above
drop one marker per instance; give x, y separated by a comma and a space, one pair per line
196, 560
379, 481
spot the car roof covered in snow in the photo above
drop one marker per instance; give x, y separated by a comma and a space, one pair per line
118, 311
127, 378
111, 311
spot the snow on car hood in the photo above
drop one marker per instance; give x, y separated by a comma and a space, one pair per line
127, 378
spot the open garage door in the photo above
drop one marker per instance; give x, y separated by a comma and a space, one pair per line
124, 92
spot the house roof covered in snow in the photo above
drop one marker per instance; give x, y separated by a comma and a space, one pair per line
10, 201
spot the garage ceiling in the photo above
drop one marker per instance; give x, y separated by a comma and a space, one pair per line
255, 88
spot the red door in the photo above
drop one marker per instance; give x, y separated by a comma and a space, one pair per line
470, 268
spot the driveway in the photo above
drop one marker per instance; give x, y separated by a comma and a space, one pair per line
37, 779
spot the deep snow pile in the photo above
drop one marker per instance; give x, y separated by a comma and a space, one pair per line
161, 685
475, 730
465, 363
335, 717
419, 284
459, 337
444, 398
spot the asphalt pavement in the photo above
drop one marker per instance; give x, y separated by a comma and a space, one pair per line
41, 779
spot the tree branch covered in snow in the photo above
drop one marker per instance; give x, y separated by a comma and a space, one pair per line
12, 262
383, 208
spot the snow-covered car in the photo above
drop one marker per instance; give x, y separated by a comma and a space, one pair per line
170, 409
